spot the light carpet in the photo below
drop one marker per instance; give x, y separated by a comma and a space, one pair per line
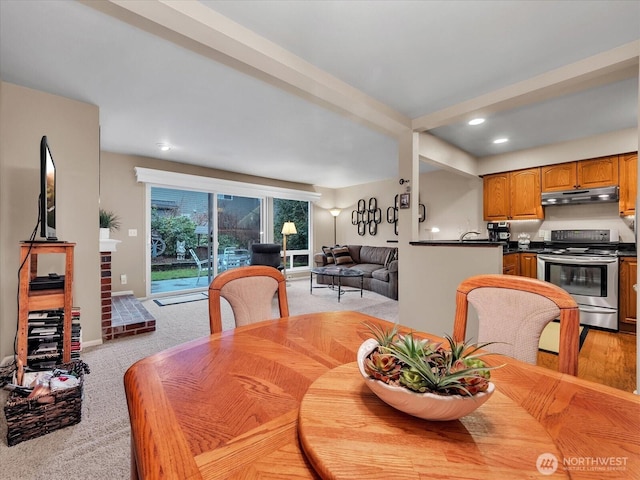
98, 447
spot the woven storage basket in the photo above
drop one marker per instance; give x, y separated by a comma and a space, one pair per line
27, 419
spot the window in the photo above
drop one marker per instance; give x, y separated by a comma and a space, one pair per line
219, 219
298, 245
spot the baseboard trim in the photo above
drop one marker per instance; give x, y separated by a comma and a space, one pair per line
92, 343
125, 292
6, 360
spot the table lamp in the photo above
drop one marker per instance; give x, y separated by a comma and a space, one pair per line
288, 228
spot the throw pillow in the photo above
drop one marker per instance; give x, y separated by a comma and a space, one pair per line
391, 256
328, 253
341, 255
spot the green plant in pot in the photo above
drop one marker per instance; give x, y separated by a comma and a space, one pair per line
109, 222
427, 379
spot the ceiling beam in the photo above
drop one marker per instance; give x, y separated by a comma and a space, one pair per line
193, 25
611, 66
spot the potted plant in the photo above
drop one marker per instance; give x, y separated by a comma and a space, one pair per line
109, 222
427, 379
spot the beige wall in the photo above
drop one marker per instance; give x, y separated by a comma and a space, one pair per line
454, 205
72, 129
611, 143
122, 194
347, 199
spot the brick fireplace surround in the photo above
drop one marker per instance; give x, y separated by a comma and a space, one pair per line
122, 315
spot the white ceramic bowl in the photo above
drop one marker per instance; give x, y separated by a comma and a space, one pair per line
422, 405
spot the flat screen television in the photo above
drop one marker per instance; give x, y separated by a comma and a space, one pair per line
47, 192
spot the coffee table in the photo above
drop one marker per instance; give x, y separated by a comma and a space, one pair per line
339, 273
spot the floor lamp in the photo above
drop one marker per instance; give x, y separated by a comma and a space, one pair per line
288, 228
334, 212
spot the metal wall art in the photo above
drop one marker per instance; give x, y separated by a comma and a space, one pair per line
392, 214
367, 217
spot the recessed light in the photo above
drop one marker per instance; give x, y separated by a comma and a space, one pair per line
476, 121
165, 147
501, 140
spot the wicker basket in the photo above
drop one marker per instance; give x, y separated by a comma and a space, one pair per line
27, 419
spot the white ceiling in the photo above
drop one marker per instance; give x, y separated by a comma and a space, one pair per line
414, 57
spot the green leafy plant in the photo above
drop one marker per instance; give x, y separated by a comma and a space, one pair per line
422, 365
109, 220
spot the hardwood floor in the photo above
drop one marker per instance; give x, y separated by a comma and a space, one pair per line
607, 358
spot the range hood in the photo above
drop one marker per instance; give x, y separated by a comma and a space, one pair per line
587, 195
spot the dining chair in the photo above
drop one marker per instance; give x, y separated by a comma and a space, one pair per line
250, 291
513, 311
203, 265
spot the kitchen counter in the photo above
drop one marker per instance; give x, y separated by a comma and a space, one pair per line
458, 243
625, 250
506, 248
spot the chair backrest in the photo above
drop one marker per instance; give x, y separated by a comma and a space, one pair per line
194, 255
250, 291
266, 254
514, 310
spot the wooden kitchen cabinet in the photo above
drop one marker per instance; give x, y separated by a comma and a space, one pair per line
496, 193
598, 172
628, 183
556, 178
627, 302
512, 195
592, 173
510, 264
528, 265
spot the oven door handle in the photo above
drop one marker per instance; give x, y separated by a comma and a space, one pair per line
591, 309
574, 260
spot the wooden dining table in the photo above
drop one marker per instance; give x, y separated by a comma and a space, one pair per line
229, 405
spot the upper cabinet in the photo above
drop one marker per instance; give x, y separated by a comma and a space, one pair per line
628, 183
513, 195
593, 173
516, 195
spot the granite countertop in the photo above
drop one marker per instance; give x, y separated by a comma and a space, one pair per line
458, 243
624, 250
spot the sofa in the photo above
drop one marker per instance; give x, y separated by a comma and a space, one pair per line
378, 264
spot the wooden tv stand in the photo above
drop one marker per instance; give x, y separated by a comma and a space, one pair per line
48, 299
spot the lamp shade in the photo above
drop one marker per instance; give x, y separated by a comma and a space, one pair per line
335, 211
289, 228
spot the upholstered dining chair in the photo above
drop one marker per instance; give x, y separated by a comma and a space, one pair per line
513, 311
250, 291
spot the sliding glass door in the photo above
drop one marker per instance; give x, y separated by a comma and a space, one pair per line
180, 240
189, 244
239, 226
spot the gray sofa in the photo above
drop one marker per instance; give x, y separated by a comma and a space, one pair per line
378, 264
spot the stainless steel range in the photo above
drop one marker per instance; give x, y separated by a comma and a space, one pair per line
585, 264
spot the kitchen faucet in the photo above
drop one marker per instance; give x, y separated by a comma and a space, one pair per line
468, 233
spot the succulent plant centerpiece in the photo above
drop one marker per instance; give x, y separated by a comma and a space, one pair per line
425, 366
427, 379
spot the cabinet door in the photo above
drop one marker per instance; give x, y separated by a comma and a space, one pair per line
555, 178
598, 172
628, 183
525, 195
510, 264
627, 311
528, 265
496, 196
